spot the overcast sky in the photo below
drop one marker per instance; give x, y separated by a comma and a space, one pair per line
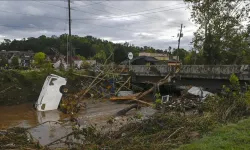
142, 23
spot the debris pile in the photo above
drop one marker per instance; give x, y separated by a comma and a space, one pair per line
17, 138
190, 99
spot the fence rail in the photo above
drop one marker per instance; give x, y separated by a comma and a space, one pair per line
195, 71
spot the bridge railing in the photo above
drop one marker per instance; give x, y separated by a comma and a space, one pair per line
190, 70
143, 69
211, 69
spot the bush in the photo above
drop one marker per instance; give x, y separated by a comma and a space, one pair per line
232, 105
85, 65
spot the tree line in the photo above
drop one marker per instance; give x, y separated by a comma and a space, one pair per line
88, 47
222, 38
223, 35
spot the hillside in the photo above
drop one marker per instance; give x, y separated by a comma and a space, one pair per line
232, 136
87, 46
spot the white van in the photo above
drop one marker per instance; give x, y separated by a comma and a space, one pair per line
51, 94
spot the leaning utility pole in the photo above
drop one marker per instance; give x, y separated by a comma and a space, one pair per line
69, 37
179, 41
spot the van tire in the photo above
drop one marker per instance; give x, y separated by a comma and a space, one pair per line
63, 89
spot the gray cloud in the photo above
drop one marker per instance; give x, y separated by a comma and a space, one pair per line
142, 23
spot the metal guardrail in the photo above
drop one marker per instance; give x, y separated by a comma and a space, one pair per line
203, 71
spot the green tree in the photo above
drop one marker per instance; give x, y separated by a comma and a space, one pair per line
3, 62
101, 56
181, 53
120, 54
87, 46
220, 29
39, 58
81, 57
15, 61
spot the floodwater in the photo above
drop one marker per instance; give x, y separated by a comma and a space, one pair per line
95, 114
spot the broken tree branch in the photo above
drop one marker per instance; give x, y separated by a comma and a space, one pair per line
173, 133
7, 89
125, 110
122, 85
161, 82
143, 102
151, 89
59, 139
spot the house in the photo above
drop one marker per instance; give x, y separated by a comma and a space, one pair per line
159, 56
173, 62
78, 62
141, 60
145, 60
25, 58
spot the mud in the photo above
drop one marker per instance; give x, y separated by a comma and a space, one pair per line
97, 113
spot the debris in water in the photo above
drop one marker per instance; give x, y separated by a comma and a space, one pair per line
51, 94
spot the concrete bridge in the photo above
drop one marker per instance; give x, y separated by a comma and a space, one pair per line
208, 76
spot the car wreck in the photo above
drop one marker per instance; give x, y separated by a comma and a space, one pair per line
51, 93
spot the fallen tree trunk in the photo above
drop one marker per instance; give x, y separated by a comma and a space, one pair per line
123, 85
129, 97
125, 110
143, 102
152, 89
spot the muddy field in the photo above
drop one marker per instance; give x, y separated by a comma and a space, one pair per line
18, 87
96, 113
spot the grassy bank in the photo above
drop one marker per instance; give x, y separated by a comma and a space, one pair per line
21, 86
232, 136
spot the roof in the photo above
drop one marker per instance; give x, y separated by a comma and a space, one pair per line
173, 61
147, 58
73, 58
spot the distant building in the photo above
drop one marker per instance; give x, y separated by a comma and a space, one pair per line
148, 60
141, 60
173, 62
25, 58
159, 56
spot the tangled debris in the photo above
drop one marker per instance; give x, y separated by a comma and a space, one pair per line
17, 138
164, 130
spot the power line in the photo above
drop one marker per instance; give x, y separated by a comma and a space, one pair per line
106, 16
72, 19
160, 7
128, 15
93, 3
50, 4
67, 8
21, 27
150, 22
5, 11
64, 7
110, 12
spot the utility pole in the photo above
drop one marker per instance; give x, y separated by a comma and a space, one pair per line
69, 37
179, 41
67, 49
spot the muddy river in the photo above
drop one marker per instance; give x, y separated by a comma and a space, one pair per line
96, 113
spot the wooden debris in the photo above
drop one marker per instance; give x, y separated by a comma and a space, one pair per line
129, 97
143, 102
123, 85
125, 110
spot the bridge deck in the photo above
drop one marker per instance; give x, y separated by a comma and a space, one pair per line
191, 71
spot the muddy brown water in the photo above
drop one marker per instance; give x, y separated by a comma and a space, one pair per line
96, 113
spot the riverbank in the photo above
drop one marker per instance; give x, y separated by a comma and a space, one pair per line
19, 87
24, 86
231, 136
